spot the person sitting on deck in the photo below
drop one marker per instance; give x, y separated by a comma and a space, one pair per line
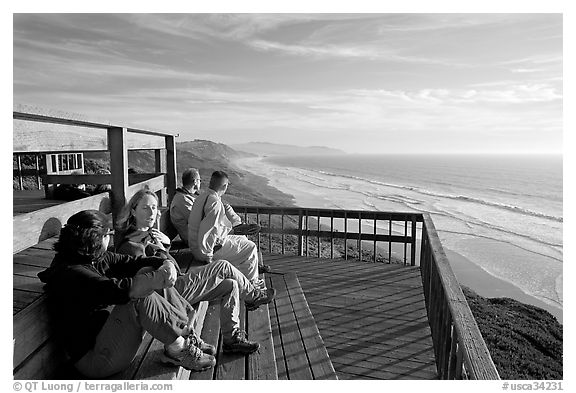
219, 281
183, 200
103, 302
210, 228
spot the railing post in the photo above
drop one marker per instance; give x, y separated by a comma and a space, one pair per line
170, 166
332, 234
118, 168
300, 237
38, 183
375, 232
413, 246
270, 233
282, 226
19, 162
390, 242
160, 167
345, 235
359, 236
318, 234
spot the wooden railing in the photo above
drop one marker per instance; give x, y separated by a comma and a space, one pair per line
38, 130
460, 350
366, 229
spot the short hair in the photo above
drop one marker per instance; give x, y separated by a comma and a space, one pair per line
189, 176
216, 179
126, 219
83, 234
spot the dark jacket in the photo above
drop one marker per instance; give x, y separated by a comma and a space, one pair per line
141, 243
81, 291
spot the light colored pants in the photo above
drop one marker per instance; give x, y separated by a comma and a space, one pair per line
164, 317
203, 284
242, 253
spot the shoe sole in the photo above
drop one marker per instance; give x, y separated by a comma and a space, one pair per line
173, 362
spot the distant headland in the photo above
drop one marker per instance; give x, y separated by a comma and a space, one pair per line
274, 149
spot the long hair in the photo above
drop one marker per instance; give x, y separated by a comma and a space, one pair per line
82, 235
126, 220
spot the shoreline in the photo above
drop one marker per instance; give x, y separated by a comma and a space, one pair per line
467, 272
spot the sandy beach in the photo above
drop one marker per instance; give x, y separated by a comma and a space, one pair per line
467, 272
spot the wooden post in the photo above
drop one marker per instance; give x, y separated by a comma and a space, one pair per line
300, 237
406, 239
390, 242
282, 226
38, 182
413, 246
318, 234
345, 235
170, 167
258, 222
331, 234
359, 236
160, 167
375, 232
118, 168
19, 161
270, 233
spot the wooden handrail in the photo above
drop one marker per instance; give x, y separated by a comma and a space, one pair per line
460, 349
306, 232
30, 113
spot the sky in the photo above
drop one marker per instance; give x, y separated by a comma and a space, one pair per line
362, 83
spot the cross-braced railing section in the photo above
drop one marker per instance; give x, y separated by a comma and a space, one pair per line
327, 233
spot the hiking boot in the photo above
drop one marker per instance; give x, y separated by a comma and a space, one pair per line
264, 269
203, 345
263, 296
191, 357
239, 343
190, 334
258, 284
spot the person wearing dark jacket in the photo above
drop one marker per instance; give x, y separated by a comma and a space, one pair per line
103, 302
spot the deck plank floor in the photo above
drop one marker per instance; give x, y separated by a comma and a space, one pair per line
372, 317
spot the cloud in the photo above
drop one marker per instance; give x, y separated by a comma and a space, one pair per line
364, 52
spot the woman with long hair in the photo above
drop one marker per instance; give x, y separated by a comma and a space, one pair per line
218, 281
103, 301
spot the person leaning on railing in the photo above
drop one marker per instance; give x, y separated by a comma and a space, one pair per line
219, 281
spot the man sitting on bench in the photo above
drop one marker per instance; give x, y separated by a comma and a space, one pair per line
212, 231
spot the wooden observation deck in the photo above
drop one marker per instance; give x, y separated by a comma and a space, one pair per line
362, 294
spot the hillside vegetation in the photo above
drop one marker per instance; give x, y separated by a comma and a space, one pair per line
525, 341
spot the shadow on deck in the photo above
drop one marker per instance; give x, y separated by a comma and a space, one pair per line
371, 316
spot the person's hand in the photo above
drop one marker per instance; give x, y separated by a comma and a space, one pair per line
171, 274
253, 229
159, 236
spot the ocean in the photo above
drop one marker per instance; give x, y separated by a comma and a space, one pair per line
502, 213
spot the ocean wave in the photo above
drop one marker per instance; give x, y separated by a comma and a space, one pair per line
465, 198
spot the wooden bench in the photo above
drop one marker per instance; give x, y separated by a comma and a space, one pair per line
298, 346
37, 355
